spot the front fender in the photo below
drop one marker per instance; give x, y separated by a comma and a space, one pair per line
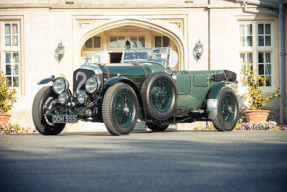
118, 79
128, 81
211, 100
47, 80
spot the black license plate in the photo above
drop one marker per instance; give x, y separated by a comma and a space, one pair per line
64, 118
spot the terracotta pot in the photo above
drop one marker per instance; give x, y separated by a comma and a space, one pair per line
256, 115
4, 118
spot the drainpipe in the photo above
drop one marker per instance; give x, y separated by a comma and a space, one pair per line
282, 54
282, 41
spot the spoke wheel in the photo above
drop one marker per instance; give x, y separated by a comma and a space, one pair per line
43, 101
227, 110
159, 96
124, 110
119, 109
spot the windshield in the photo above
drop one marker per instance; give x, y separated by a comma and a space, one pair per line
157, 55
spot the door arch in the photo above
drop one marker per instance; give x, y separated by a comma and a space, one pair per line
97, 29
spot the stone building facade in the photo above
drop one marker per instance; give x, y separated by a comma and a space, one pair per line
31, 30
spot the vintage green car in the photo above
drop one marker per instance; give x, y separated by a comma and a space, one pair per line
140, 88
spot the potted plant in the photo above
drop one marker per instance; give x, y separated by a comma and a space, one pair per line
254, 95
7, 98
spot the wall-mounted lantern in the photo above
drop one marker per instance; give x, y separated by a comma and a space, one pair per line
59, 52
199, 49
128, 44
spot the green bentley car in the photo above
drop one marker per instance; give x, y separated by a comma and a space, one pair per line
140, 88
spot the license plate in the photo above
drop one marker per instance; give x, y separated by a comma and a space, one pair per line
64, 118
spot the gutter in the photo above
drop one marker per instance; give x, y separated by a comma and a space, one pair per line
280, 12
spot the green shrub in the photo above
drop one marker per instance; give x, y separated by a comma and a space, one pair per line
7, 94
254, 93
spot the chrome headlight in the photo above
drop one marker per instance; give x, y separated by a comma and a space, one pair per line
63, 98
60, 85
92, 84
82, 98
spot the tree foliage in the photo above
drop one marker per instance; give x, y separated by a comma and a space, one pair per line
7, 94
254, 93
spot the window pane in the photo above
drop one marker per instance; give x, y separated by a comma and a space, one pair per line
249, 29
97, 42
242, 29
244, 68
8, 57
261, 69
113, 42
268, 69
133, 41
249, 58
10, 81
122, 41
157, 41
242, 58
15, 70
14, 28
261, 41
15, 58
15, 81
89, 43
268, 82
15, 40
267, 40
7, 29
267, 57
260, 57
8, 69
267, 29
242, 41
260, 29
249, 40
165, 41
141, 41
7, 40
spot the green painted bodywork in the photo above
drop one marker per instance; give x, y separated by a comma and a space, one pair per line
134, 73
193, 88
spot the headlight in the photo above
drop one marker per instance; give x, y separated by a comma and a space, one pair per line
92, 84
63, 98
60, 85
82, 98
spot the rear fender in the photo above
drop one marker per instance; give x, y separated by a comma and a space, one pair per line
211, 100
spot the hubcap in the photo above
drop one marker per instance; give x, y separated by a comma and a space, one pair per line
123, 110
161, 95
227, 108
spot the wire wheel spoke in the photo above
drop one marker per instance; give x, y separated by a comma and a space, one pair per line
161, 96
124, 110
227, 108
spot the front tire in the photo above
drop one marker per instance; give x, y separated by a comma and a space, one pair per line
41, 102
120, 109
227, 110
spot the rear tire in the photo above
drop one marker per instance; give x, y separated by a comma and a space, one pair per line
42, 100
120, 109
227, 110
156, 127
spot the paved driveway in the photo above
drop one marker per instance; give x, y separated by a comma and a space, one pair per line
168, 161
